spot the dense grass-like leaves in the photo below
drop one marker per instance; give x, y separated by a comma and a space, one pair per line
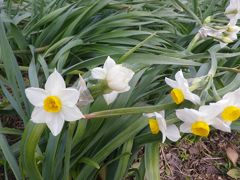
155, 38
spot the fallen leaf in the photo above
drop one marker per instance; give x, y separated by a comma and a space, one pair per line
232, 155
234, 173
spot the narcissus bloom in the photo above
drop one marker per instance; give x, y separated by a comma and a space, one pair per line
54, 104
225, 34
181, 89
116, 76
233, 11
158, 123
226, 110
195, 122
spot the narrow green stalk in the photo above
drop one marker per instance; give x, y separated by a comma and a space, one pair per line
189, 12
229, 69
192, 44
36, 50
124, 57
68, 150
132, 110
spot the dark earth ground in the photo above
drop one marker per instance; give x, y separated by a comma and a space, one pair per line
189, 158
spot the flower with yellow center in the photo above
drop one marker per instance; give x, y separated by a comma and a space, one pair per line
225, 111
54, 104
157, 123
195, 122
181, 90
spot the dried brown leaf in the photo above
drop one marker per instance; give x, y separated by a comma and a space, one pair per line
232, 155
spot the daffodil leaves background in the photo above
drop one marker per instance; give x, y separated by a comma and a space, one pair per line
153, 38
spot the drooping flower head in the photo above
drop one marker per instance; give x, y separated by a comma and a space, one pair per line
233, 11
54, 104
157, 123
181, 89
116, 76
224, 34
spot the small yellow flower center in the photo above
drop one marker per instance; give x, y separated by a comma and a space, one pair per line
153, 124
200, 128
177, 95
52, 104
231, 113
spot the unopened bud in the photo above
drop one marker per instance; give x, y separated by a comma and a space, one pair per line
227, 40
208, 20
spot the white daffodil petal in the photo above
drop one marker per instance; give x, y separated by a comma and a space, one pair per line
71, 113
195, 99
118, 78
55, 123
186, 128
213, 110
109, 98
55, 82
162, 125
109, 63
180, 79
36, 96
173, 133
187, 115
98, 73
38, 115
171, 82
221, 125
68, 96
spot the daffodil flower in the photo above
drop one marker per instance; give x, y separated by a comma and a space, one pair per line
54, 104
181, 89
230, 34
195, 122
226, 111
158, 123
206, 31
233, 11
225, 34
116, 76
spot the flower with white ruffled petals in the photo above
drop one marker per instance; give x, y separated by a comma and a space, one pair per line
226, 111
158, 123
181, 89
116, 76
54, 104
233, 11
195, 122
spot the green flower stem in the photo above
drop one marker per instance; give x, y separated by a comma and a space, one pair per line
98, 89
132, 110
68, 150
132, 50
25, 69
192, 44
36, 50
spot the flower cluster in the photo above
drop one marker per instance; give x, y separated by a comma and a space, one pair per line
224, 34
219, 115
56, 103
